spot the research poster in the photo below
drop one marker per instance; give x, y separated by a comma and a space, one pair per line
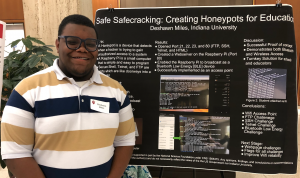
2, 46
210, 87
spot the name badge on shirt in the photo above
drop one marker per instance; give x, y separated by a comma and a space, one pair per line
100, 106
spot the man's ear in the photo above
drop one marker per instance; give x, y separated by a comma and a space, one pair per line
57, 45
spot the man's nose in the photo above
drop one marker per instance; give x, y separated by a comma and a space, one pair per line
82, 48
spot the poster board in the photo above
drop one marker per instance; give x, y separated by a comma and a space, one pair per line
2, 46
211, 87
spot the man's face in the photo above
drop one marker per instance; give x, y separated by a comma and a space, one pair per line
78, 63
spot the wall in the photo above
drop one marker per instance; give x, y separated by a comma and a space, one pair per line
11, 11
42, 18
99, 4
169, 3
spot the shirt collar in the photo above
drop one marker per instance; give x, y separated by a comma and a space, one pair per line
60, 75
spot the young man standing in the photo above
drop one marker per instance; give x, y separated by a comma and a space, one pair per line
69, 120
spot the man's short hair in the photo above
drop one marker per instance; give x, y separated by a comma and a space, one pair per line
78, 20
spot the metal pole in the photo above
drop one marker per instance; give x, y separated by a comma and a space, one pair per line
161, 172
194, 173
222, 174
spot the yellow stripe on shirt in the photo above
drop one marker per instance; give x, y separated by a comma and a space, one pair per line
76, 140
20, 135
40, 80
126, 127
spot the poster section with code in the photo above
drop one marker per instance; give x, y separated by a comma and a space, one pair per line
210, 87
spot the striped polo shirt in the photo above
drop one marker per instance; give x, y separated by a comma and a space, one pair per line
50, 118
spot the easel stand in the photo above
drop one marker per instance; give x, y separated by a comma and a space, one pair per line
194, 173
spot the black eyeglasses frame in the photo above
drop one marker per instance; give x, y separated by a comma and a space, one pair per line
81, 40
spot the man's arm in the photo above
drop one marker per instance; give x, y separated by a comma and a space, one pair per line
120, 161
24, 168
17, 133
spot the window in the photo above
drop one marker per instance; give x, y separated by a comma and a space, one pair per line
13, 32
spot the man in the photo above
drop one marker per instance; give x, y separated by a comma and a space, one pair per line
64, 121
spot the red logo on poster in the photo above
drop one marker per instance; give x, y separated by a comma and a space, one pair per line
1, 30
93, 102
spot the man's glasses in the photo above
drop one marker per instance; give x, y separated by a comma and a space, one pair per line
74, 42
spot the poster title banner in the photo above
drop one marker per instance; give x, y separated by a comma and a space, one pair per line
195, 20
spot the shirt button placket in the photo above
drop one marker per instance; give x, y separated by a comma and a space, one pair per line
79, 98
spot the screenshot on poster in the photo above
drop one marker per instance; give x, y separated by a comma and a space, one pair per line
185, 93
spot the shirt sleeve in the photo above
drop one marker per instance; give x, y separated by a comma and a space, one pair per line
126, 131
17, 128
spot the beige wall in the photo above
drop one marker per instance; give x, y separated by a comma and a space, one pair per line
42, 17
168, 3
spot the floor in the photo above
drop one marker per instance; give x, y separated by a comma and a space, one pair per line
4, 174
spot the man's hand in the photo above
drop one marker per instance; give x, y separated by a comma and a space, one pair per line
24, 168
120, 161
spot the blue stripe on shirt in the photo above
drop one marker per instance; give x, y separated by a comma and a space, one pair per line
70, 105
100, 171
16, 100
126, 102
57, 106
